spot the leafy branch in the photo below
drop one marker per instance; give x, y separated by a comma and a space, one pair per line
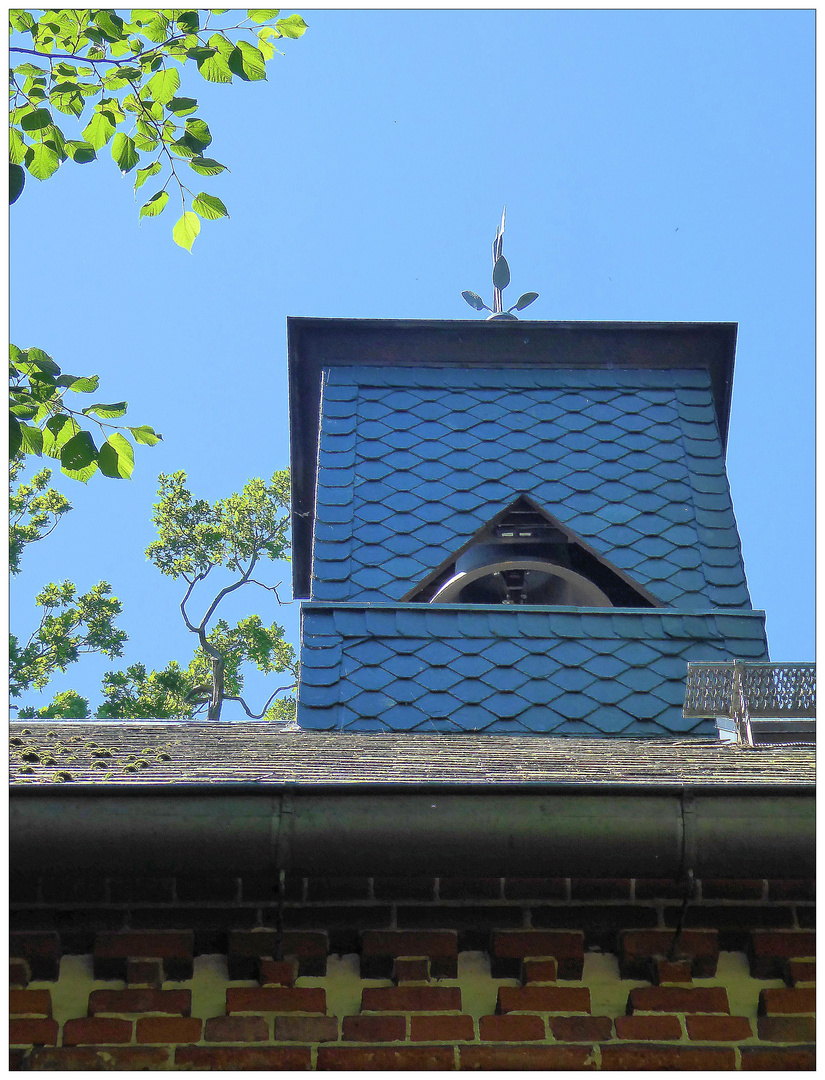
132, 67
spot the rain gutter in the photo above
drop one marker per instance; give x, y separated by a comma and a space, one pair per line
479, 830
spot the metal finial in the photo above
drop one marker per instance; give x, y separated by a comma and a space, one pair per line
501, 279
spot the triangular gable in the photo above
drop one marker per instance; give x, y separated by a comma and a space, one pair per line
524, 518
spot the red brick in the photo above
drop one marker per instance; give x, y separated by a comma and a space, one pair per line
618, 1056
539, 971
96, 1029
408, 1058
259, 1058
786, 1000
787, 1029
275, 999
30, 1003
306, 1029
18, 973
40, 949
580, 1028
705, 999
718, 1028
409, 943
98, 1059
510, 947
797, 971
444, 1028
248, 947
469, 888
374, 1028
33, 1032
513, 1028
543, 999
403, 888
769, 949
411, 999
236, 1029
410, 969
801, 1059
640, 947
144, 973
520, 1058
792, 889
648, 1027
277, 972
535, 888
659, 889
732, 888
168, 1029
112, 950
600, 888
178, 1002
672, 971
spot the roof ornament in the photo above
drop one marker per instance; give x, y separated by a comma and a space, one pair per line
501, 279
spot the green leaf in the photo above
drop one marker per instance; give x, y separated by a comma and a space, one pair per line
155, 205
206, 166
43, 163
23, 21
15, 436
107, 412
42, 361
17, 180
182, 106
17, 147
142, 175
78, 452
83, 475
186, 230
188, 21
81, 152
32, 440
145, 434
291, 27
525, 300
209, 207
214, 68
247, 62
164, 84
80, 384
198, 134
501, 273
124, 152
36, 119
116, 457
99, 130
110, 24
262, 15
70, 102
474, 300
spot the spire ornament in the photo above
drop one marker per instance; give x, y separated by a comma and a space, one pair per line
501, 279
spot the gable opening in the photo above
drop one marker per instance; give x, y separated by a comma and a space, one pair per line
524, 555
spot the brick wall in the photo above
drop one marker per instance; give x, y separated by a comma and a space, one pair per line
379, 973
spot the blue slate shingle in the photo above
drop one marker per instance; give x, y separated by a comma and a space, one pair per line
523, 670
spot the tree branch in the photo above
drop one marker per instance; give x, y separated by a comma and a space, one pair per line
257, 716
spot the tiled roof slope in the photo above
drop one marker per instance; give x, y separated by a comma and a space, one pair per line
412, 461
511, 669
185, 753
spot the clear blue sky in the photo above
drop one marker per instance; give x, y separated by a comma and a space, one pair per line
656, 165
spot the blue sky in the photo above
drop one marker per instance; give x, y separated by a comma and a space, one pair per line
656, 165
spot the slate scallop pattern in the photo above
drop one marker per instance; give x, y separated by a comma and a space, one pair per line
413, 461
517, 670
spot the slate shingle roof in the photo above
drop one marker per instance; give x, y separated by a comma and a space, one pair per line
510, 669
188, 753
413, 461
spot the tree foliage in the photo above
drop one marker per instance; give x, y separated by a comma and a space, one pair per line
195, 538
121, 80
117, 81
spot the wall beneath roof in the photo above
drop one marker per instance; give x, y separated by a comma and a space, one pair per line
416, 973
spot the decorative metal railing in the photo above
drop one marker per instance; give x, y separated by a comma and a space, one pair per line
742, 691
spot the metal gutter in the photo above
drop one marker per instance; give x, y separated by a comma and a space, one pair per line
481, 832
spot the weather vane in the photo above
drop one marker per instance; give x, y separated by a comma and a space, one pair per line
501, 279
